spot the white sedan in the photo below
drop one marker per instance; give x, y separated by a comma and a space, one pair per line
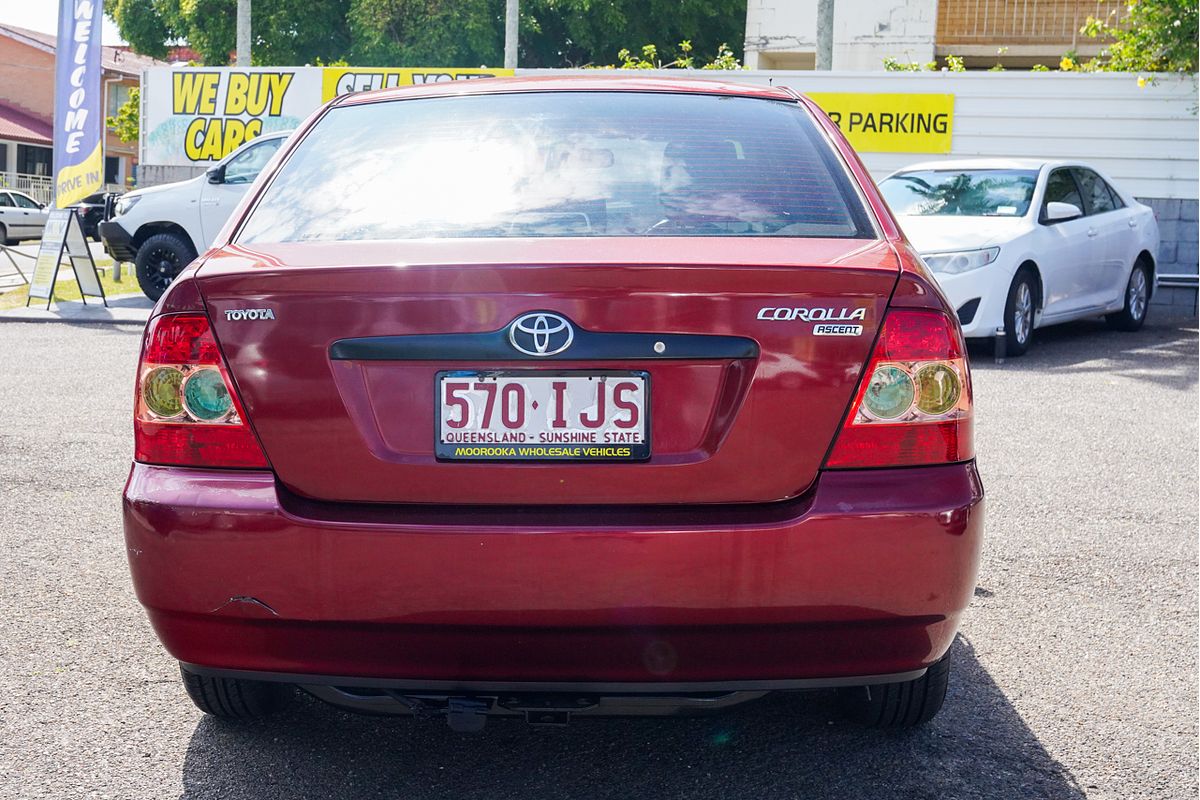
1020, 243
21, 217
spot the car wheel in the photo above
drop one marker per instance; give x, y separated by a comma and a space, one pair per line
4, 235
1137, 301
233, 698
899, 705
159, 260
1019, 313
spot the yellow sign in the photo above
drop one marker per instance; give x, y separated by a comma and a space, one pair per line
193, 116
337, 81
891, 123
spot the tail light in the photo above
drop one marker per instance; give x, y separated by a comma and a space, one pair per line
187, 412
914, 407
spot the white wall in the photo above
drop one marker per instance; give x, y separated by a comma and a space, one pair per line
781, 33
1145, 138
867, 31
780, 28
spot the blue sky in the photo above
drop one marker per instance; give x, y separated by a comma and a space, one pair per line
42, 15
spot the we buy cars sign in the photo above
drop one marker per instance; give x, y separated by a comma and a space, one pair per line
195, 116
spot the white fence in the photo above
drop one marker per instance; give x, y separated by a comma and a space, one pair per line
39, 187
1145, 137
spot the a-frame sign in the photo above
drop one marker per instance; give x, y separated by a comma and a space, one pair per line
64, 232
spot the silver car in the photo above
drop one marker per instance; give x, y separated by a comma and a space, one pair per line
21, 217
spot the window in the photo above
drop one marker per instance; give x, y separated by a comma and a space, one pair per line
23, 201
112, 168
118, 95
33, 160
968, 193
1061, 188
244, 168
6, 200
555, 164
1096, 193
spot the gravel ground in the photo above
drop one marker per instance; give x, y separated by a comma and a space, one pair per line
1075, 675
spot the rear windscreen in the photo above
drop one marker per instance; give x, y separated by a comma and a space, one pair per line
560, 164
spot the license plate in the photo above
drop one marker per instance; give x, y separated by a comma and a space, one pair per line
524, 416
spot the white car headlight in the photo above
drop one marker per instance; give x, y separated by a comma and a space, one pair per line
960, 260
125, 204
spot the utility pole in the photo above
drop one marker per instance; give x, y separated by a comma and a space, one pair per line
512, 15
243, 33
825, 34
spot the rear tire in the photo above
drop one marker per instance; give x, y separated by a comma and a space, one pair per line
1019, 313
159, 259
4, 235
233, 698
1137, 300
899, 705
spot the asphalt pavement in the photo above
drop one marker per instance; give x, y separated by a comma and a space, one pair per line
1075, 674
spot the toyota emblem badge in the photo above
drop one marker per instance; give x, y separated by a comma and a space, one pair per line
540, 333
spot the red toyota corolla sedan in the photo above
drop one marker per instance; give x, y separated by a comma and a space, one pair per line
556, 398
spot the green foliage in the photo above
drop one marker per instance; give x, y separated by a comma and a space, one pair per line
563, 33
684, 60
445, 33
953, 64
895, 65
1039, 68
434, 33
1154, 36
144, 25
725, 59
284, 33
125, 123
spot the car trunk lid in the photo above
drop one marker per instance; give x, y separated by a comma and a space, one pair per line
743, 403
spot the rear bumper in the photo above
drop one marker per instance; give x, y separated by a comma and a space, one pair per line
117, 241
865, 576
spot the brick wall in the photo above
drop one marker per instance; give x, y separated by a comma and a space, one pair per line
27, 78
1178, 251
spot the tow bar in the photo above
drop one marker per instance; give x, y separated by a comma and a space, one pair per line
466, 714
469, 714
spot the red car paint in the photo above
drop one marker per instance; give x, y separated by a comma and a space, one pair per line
731, 555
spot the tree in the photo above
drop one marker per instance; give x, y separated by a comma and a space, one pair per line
434, 33
1154, 36
284, 31
554, 33
125, 123
561, 33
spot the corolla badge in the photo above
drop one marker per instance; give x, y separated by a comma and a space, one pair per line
812, 314
540, 333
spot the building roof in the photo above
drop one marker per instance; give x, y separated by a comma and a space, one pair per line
18, 126
113, 59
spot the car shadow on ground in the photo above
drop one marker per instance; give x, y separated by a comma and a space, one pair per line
787, 746
1163, 352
